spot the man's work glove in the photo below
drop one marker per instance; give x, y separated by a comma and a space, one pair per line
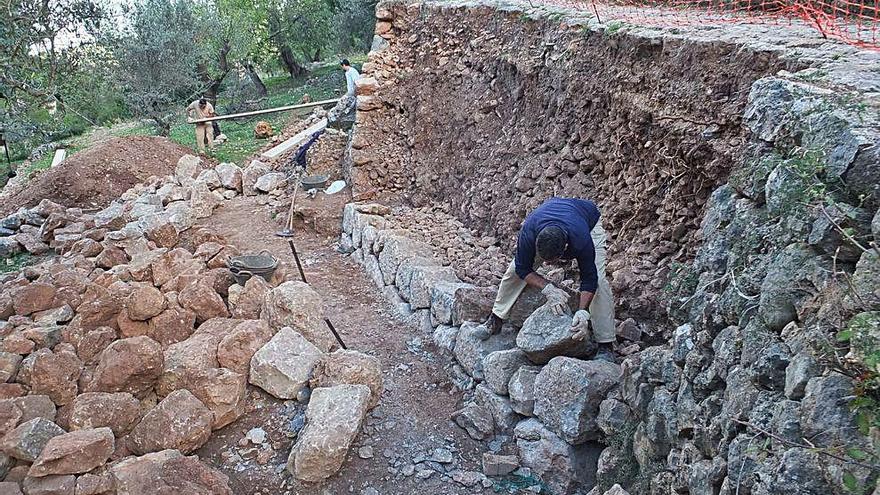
580, 324
556, 298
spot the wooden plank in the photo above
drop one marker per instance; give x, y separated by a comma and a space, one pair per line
296, 140
267, 110
60, 155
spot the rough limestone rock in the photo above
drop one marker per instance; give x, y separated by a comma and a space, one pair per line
230, 176
270, 182
129, 365
173, 325
34, 406
222, 391
52, 374
563, 467
237, 348
472, 346
10, 488
28, 439
94, 484
476, 420
349, 367
202, 300
246, 302
826, 418
188, 168
9, 364
249, 176
502, 413
283, 366
168, 472
521, 389
294, 304
500, 366
333, 419
544, 336
800, 370
50, 485
145, 302
117, 411
203, 201
180, 421
74, 453
568, 392
398, 248
33, 297
198, 352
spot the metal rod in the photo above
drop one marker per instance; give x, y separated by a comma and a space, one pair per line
335, 334
266, 110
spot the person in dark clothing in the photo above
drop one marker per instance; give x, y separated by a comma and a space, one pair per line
562, 229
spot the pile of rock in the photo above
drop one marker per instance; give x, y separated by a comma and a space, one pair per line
120, 356
532, 383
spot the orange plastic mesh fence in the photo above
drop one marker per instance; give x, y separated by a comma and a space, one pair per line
855, 22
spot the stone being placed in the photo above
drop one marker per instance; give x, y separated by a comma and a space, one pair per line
545, 335
568, 392
349, 367
283, 366
333, 419
294, 304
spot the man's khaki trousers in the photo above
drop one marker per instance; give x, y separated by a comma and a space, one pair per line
204, 131
601, 308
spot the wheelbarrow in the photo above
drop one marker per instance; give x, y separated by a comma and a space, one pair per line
246, 266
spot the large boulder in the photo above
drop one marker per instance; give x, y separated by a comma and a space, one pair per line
145, 302
187, 169
74, 453
397, 248
238, 347
349, 367
181, 360
333, 419
270, 182
222, 391
28, 439
117, 411
180, 421
568, 392
565, 468
53, 374
545, 335
202, 300
129, 365
167, 472
230, 175
283, 366
294, 304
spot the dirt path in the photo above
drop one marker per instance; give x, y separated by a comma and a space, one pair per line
412, 418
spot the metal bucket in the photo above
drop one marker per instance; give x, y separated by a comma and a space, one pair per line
245, 266
314, 182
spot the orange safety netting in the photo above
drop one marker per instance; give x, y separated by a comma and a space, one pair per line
855, 22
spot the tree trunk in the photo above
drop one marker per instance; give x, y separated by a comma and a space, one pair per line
255, 78
289, 59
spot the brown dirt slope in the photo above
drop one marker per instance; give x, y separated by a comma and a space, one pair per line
94, 177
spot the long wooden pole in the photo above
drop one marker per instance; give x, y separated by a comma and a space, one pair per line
267, 110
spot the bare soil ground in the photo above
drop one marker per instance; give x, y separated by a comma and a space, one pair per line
412, 418
94, 177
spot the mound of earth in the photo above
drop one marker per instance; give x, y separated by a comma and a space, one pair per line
94, 177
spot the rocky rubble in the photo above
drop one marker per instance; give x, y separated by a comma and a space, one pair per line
119, 355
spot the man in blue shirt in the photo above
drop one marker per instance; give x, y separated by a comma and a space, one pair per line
562, 229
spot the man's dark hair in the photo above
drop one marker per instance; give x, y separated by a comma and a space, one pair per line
551, 243
202, 101
345, 63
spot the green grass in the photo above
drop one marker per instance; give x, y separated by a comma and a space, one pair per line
17, 262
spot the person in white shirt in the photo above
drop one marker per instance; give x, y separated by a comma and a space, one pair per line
351, 75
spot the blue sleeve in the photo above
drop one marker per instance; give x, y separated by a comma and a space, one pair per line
587, 266
525, 253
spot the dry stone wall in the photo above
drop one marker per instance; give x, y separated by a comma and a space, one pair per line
492, 110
